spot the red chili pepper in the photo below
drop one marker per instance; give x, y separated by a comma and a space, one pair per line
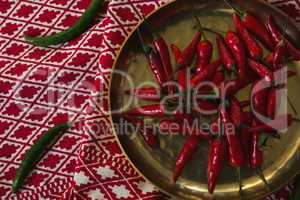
216, 161
269, 59
245, 103
280, 122
161, 47
148, 110
253, 48
204, 52
147, 133
218, 78
216, 82
176, 52
154, 61
236, 46
245, 138
279, 56
247, 117
261, 70
236, 112
278, 37
215, 127
207, 73
225, 54
156, 110
156, 67
205, 107
271, 106
189, 52
185, 155
145, 93
182, 78
259, 30
254, 25
235, 152
182, 74
256, 155
186, 128
235, 85
259, 97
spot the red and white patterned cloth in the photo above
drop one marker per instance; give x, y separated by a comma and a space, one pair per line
40, 87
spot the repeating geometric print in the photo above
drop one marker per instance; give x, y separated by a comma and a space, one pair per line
40, 87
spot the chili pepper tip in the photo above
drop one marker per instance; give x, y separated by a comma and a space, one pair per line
238, 11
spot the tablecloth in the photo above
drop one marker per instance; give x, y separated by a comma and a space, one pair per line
40, 87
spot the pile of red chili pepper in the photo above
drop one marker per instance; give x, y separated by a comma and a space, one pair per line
242, 62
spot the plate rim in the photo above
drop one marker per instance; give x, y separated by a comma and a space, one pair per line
116, 61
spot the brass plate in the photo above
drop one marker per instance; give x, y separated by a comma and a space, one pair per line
175, 22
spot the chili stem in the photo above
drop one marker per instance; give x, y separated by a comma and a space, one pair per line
154, 34
238, 11
145, 47
291, 104
260, 173
219, 32
238, 175
198, 21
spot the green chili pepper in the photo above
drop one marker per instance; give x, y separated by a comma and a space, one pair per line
35, 152
78, 28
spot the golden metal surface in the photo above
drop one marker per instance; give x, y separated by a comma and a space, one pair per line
281, 158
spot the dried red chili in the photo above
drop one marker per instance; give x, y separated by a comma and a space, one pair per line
207, 73
176, 52
254, 25
161, 47
261, 70
259, 97
235, 152
278, 37
236, 112
145, 93
225, 54
189, 52
204, 54
271, 106
185, 155
154, 61
256, 155
216, 161
253, 48
236, 46
147, 133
